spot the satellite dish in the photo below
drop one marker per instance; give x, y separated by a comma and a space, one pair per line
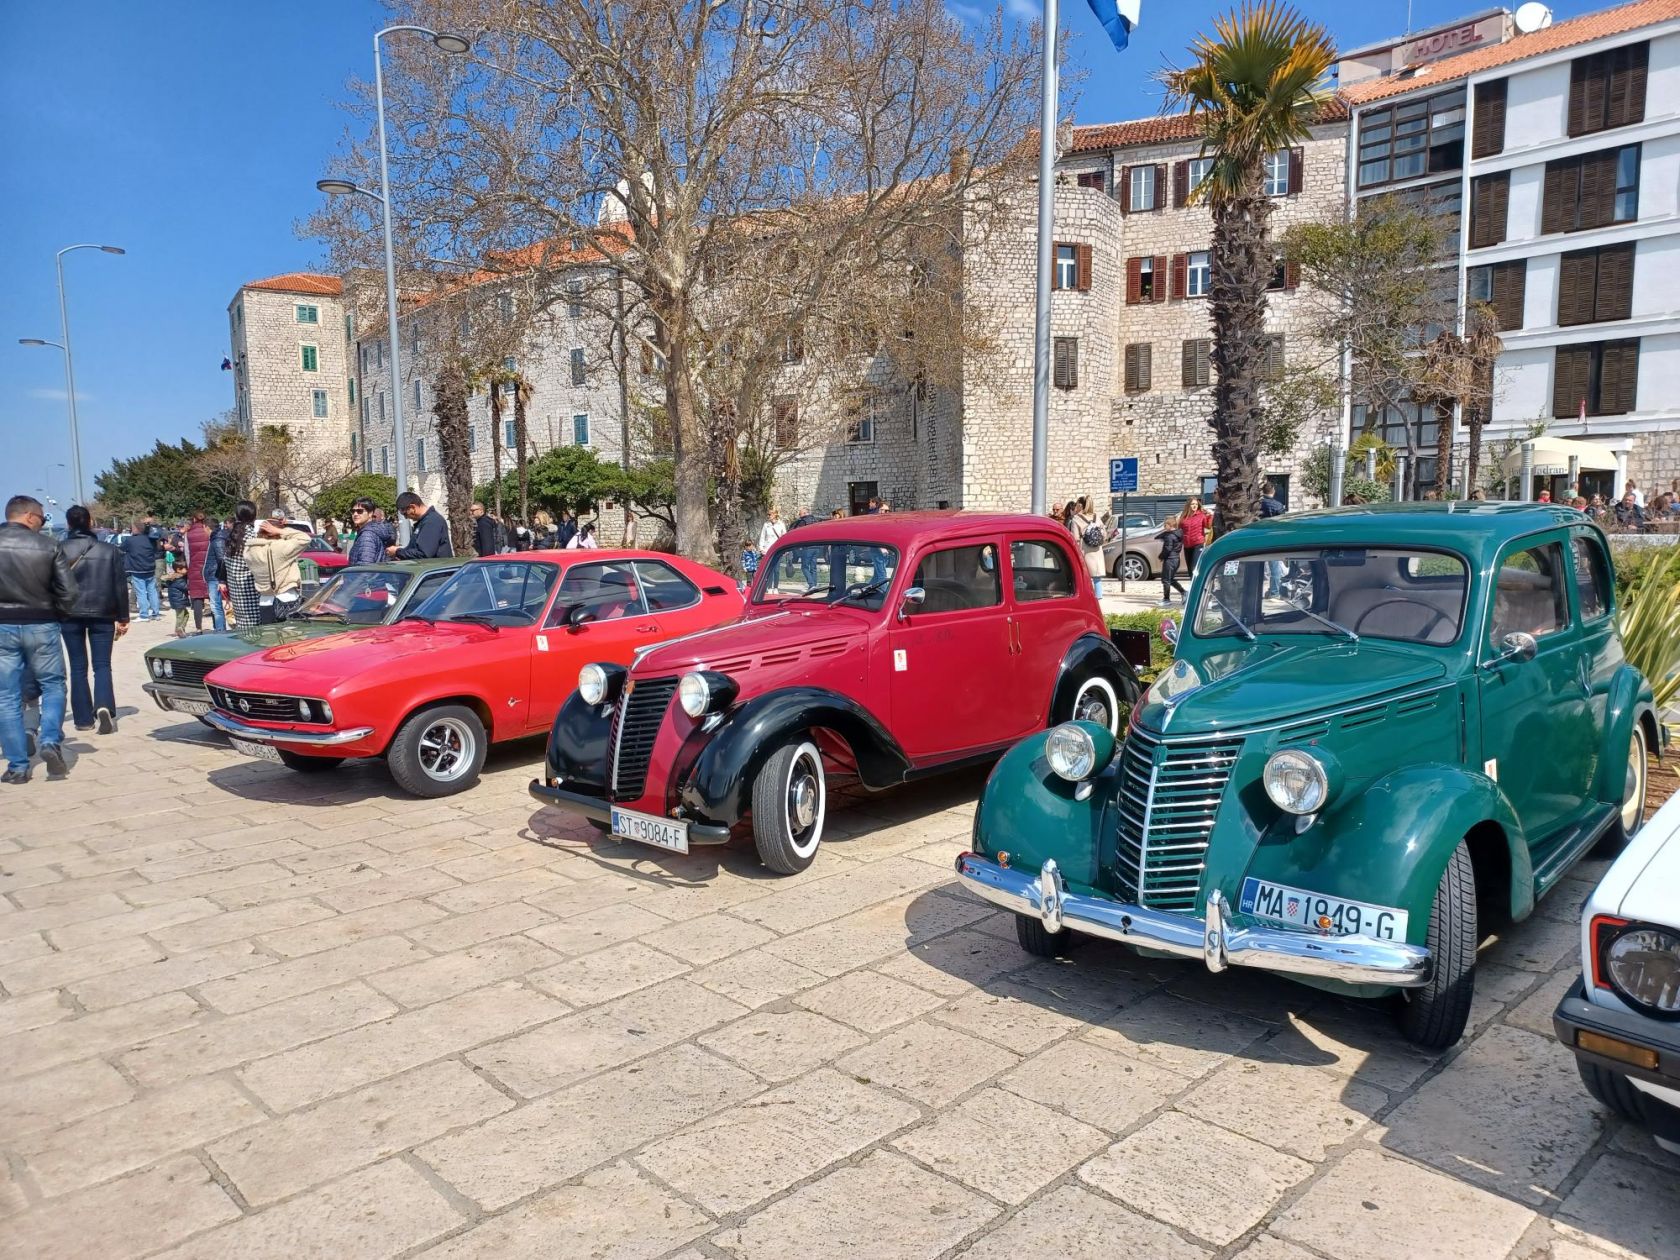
1532, 16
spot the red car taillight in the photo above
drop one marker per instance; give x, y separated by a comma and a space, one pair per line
1603, 931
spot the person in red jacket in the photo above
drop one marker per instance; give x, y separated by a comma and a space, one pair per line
198, 586
1196, 524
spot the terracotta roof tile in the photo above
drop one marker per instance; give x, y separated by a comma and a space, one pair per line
1165, 128
1580, 30
301, 282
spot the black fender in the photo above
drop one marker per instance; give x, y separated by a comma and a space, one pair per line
720, 785
1092, 653
577, 743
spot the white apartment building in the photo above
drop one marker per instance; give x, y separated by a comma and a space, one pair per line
1558, 151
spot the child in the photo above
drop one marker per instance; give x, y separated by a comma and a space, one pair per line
1172, 547
178, 598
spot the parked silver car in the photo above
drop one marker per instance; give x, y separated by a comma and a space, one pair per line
1142, 558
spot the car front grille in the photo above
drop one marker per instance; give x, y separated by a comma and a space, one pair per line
264, 708
190, 672
1169, 797
635, 726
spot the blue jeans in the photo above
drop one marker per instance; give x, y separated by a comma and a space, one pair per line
218, 614
145, 596
88, 642
32, 650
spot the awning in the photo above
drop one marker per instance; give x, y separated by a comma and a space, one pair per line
1552, 456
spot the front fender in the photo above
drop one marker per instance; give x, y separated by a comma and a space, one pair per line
1093, 653
1031, 813
577, 743
1629, 701
720, 786
1391, 842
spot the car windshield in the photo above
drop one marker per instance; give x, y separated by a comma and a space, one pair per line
357, 597
1412, 596
502, 592
829, 572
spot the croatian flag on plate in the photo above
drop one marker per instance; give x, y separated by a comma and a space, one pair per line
1118, 17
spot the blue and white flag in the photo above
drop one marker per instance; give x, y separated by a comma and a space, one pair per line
1118, 17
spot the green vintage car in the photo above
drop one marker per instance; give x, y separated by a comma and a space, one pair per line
366, 595
1385, 731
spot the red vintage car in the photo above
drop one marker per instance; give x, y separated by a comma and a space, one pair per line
488, 657
886, 647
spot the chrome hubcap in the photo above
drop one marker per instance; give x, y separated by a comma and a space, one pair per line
1092, 708
1633, 791
802, 802
446, 750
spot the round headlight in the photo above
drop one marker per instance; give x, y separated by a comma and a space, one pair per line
1644, 967
1296, 781
592, 684
1071, 751
169, 669
157, 667
694, 693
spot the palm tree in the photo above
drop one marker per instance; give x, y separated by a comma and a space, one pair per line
1458, 369
494, 379
450, 411
521, 440
1256, 87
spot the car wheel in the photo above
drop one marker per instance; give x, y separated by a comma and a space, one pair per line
438, 751
1612, 1089
308, 765
1038, 940
1631, 816
1097, 700
1131, 567
1434, 1016
789, 803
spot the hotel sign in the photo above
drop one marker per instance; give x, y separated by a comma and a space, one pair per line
1448, 41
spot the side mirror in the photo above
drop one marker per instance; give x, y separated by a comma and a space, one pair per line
1169, 632
915, 597
1518, 646
577, 615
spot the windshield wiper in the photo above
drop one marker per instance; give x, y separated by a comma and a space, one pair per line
1235, 620
338, 617
862, 591
1325, 621
812, 590
477, 619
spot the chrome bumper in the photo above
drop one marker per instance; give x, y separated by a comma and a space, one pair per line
264, 735
1216, 941
165, 692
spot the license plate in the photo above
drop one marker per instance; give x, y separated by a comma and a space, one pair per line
266, 752
1284, 904
627, 824
192, 708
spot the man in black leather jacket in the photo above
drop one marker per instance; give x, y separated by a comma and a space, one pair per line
98, 619
37, 591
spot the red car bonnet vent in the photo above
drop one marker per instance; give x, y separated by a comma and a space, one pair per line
787, 656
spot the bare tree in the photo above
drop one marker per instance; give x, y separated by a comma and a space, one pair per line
449, 412
672, 137
271, 465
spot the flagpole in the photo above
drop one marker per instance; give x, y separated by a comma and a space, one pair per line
1046, 249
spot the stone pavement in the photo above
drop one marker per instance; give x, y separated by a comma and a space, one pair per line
246, 1013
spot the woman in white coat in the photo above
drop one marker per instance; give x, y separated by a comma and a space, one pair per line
771, 533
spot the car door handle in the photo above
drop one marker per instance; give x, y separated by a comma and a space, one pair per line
647, 629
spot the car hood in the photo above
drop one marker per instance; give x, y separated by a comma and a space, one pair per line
230, 646
1655, 855
1269, 681
324, 660
779, 637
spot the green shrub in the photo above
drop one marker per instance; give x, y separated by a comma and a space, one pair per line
1648, 617
1632, 562
1160, 655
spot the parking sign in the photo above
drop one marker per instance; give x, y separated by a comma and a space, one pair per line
1123, 476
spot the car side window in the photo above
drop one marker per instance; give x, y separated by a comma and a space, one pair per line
960, 578
1592, 578
606, 591
427, 585
1529, 595
664, 588
1041, 571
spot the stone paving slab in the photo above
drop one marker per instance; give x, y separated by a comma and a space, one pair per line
249, 1014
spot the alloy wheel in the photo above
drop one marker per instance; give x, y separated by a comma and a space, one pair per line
446, 750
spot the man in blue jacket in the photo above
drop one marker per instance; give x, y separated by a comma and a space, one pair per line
140, 557
431, 531
372, 536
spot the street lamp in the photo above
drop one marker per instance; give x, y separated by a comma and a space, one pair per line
454, 45
69, 365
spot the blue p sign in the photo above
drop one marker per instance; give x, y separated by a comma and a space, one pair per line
1123, 476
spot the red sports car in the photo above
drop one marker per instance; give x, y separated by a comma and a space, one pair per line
489, 657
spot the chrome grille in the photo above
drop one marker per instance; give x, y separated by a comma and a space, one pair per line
635, 726
264, 708
1168, 801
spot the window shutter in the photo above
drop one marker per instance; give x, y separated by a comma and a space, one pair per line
1055, 267
1082, 266
1555, 197
1066, 363
1271, 368
1510, 285
1569, 380
1614, 296
1131, 369
1576, 282
1291, 274
1134, 281
1146, 355
1489, 125
1160, 275
1189, 364
1577, 118
1628, 85
1180, 274
1489, 198
1137, 367
1618, 378
1195, 363
1297, 169
1181, 182
1125, 190
1598, 189
1160, 186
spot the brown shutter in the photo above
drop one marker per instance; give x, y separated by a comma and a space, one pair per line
1271, 363
1055, 270
1058, 363
1627, 87
1179, 273
1598, 189
1618, 378
1082, 266
1509, 282
1131, 368
1570, 376
1134, 281
1489, 199
1577, 279
1125, 190
1137, 367
1297, 169
1160, 278
1556, 196
1181, 182
1189, 364
1160, 185
1614, 296
1291, 274
1489, 124
1146, 355
1204, 374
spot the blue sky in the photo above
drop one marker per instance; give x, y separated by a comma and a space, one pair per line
192, 134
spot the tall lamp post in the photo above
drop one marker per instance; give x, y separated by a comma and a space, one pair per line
454, 45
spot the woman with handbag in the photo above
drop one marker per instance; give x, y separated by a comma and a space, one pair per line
236, 573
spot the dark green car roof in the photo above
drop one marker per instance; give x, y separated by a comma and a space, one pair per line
1476, 529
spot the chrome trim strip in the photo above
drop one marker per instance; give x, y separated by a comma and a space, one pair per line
1217, 940
1243, 732
263, 735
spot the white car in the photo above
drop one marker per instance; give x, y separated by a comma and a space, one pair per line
1622, 1017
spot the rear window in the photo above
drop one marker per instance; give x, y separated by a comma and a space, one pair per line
1041, 571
